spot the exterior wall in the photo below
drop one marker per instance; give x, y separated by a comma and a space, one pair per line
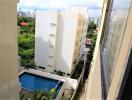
79, 45
65, 41
122, 60
112, 38
70, 26
83, 37
67, 34
94, 88
45, 39
8, 51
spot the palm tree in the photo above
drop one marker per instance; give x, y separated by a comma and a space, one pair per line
41, 95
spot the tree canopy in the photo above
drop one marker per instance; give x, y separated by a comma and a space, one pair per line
92, 26
90, 33
26, 42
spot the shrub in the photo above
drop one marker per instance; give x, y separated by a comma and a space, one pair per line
59, 73
26, 42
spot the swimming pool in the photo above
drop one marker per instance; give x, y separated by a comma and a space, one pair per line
34, 82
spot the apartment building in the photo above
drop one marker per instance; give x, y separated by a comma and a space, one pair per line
58, 39
9, 89
111, 71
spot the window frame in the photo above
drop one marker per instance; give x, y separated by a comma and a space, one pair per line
104, 78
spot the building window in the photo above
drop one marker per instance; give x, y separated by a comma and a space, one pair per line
52, 35
112, 38
52, 24
68, 74
41, 67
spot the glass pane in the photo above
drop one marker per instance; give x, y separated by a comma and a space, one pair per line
113, 35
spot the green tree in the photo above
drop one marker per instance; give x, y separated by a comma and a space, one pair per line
41, 95
19, 20
91, 26
26, 29
90, 34
26, 42
53, 92
36, 95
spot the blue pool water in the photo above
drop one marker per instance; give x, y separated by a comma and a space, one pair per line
34, 82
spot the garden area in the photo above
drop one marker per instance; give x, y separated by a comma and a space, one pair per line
37, 95
26, 41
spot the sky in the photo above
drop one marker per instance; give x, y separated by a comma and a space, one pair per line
94, 6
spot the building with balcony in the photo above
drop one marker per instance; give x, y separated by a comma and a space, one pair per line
111, 71
58, 38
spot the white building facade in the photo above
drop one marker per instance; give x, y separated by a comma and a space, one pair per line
58, 39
